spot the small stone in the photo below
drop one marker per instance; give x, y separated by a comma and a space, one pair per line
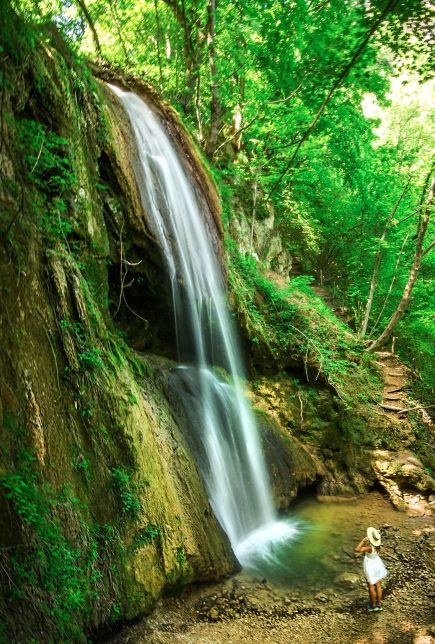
213, 614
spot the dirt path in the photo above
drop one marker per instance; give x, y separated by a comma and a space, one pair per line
242, 610
395, 382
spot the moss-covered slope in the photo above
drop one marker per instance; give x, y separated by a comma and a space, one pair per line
101, 505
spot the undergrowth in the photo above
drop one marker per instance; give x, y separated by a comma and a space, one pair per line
56, 580
292, 320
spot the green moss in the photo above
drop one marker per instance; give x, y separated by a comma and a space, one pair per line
50, 574
293, 322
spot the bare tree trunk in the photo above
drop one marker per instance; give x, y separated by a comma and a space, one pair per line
119, 30
158, 41
397, 315
198, 109
83, 8
192, 49
393, 281
378, 258
215, 107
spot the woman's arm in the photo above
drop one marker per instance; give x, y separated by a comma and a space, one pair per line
361, 548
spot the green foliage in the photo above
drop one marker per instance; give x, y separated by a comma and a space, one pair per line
17, 38
181, 555
46, 157
128, 492
146, 536
294, 321
82, 464
90, 359
49, 170
273, 67
49, 573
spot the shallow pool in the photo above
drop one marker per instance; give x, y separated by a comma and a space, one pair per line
321, 541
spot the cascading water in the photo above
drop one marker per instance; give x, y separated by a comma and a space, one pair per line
232, 463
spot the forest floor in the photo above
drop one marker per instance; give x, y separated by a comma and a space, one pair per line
246, 610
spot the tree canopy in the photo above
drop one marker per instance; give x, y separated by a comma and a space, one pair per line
319, 111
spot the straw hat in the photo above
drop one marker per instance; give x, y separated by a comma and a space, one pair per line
374, 536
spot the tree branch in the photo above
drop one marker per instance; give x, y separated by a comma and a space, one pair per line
391, 4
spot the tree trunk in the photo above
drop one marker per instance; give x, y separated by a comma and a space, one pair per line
192, 49
378, 258
83, 8
215, 106
397, 315
116, 20
393, 281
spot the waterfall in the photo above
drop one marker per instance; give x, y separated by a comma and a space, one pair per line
232, 462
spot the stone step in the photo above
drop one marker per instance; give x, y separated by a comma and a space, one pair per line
395, 396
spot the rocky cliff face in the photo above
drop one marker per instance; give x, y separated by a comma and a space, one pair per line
102, 506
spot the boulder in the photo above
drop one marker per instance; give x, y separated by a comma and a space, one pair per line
404, 478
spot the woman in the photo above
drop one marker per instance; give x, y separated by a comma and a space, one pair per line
374, 568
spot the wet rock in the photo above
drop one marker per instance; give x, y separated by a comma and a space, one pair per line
321, 597
292, 465
347, 580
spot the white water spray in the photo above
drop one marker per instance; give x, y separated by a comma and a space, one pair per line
233, 465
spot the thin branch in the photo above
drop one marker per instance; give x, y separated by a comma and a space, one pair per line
287, 98
389, 7
233, 136
91, 25
378, 258
402, 411
391, 285
37, 158
302, 409
429, 248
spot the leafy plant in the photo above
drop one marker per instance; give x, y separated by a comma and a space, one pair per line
127, 491
181, 555
50, 573
146, 535
49, 169
295, 319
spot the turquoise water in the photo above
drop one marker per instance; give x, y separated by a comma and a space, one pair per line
321, 546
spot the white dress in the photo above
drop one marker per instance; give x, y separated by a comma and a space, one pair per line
374, 568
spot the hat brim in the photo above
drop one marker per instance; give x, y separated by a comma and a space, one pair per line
374, 539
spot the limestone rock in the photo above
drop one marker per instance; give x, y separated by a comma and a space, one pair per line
291, 464
347, 580
406, 481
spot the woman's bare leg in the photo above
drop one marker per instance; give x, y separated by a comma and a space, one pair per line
379, 593
372, 593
